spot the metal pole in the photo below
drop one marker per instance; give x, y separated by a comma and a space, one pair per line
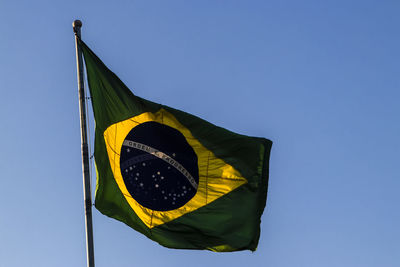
77, 24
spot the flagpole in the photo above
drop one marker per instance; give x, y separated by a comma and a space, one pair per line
77, 24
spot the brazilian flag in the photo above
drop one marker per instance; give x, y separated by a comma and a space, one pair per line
172, 176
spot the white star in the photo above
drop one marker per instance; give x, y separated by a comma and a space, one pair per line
128, 150
144, 164
156, 185
173, 154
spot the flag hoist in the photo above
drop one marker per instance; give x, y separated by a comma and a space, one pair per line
77, 24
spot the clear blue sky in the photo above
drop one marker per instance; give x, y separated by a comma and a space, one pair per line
319, 78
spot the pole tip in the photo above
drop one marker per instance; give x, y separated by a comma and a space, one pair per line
76, 24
